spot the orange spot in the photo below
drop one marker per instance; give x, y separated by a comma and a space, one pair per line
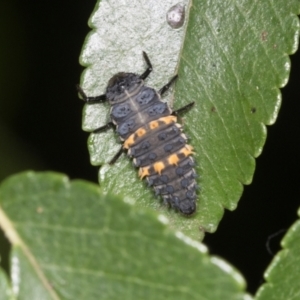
132, 138
187, 150
143, 172
153, 124
140, 132
158, 167
130, 141
168, 119
173, 159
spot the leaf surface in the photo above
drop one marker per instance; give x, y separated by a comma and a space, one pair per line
71, 242
5, 289
283, 275
231, 57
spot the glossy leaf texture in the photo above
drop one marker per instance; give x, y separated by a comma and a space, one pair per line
231, 57
283, 275
71, 242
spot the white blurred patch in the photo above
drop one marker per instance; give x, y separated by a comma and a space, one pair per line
201, 247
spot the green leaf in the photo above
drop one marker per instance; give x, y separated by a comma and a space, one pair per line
5, 289
231, 57
71, 242
283, 275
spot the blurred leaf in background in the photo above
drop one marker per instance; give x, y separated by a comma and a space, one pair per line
71, 242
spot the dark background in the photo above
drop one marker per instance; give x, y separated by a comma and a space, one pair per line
40, 128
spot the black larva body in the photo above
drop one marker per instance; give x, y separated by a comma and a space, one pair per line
152, 137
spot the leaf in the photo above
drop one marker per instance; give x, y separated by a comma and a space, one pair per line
71, 242
283, 275
5, 289
231, 57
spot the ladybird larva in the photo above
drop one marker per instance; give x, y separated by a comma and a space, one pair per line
151, 136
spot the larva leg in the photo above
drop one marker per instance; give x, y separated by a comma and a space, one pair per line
182, 109
90, 100
116, 156
167, 86
149, 66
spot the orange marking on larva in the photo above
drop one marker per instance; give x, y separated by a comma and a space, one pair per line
173, 159
129, 141
153, 124
168, 119
143, 172
158, 167
187, 150
140, 132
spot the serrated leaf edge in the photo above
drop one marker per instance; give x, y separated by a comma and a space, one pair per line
16, 241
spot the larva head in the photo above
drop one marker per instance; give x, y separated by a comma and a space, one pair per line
121, 83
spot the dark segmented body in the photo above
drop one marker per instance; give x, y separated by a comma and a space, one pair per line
154, 140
